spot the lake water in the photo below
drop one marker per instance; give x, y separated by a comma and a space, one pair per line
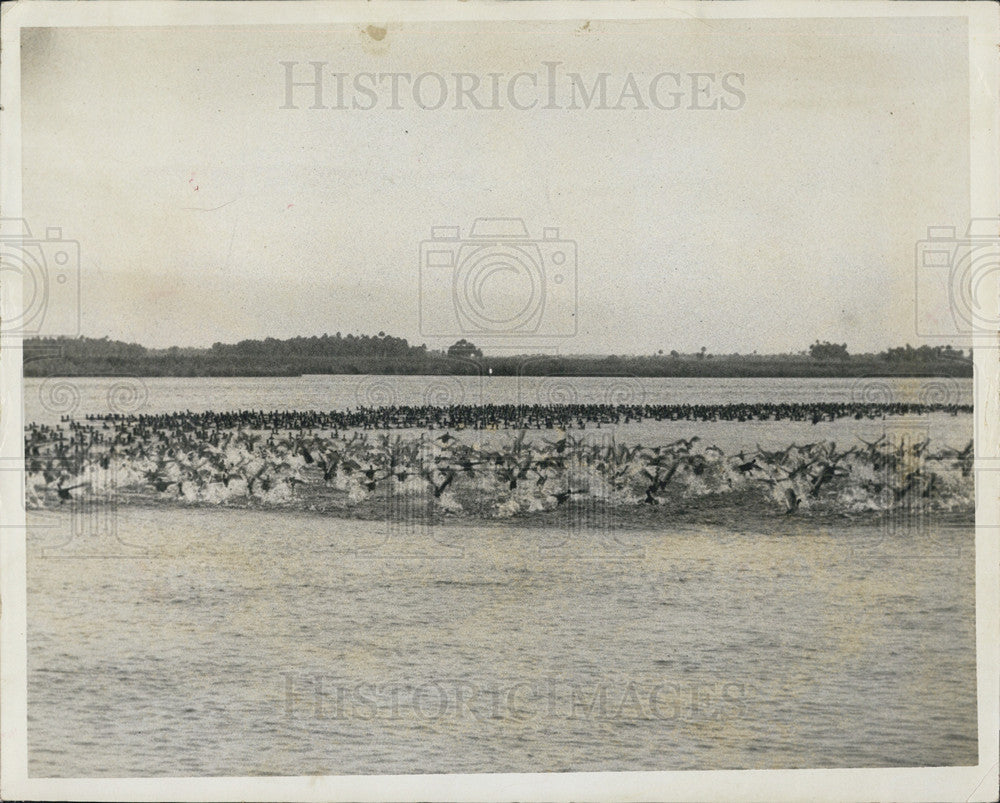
247, 642
226, 642
47, 399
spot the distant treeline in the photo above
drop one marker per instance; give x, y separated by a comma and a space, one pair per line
383, 354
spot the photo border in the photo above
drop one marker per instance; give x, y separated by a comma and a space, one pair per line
907, 784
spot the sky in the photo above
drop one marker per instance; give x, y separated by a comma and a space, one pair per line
206, 212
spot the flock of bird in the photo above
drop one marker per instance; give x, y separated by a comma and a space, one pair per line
528, 416
327, 461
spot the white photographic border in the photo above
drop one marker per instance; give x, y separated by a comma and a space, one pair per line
910, 784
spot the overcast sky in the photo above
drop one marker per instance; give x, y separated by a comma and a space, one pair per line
205, 212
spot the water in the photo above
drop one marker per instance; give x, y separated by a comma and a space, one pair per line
227, 642
47, 399
238, 642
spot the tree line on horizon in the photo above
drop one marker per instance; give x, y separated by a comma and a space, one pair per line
385, 354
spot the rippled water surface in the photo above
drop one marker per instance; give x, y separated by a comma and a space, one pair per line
237, 642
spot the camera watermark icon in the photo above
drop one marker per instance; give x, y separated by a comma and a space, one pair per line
127, 396
377, 391
49, 271
374, 392
958, 281
59, 395
929, 390
64, 396
612, 391
498, 281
